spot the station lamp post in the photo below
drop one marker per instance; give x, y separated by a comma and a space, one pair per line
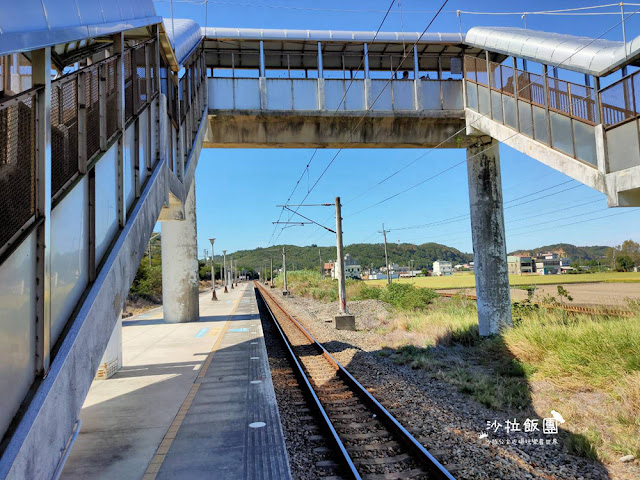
213, 273
224, 268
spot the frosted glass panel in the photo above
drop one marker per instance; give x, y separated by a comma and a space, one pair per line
472, 96
526, 123
561, 133
585, 142
540, 125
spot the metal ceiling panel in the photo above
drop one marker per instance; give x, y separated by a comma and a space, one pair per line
581, 54
184, 35
330, 35
31, 24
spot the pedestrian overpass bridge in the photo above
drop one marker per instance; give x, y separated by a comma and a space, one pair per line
103, 116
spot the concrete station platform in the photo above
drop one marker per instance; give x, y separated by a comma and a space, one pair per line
192, 401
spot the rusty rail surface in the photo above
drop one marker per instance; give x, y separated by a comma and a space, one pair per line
568, 308
345, 389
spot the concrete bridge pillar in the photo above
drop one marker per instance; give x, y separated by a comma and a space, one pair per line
487, 229
180, 265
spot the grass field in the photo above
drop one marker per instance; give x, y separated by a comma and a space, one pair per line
587, 367
467, 280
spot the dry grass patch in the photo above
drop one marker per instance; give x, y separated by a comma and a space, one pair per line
589, 365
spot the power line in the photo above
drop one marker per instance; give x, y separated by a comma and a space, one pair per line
292, 192
370, 107
464, 128
344, 96
577, 11
546, 118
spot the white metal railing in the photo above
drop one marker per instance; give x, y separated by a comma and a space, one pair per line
557, 113
326, 94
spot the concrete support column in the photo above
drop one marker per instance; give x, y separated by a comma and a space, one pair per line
180, 265
112, 357
487, 229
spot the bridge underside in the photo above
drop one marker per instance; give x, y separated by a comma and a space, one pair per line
273, 129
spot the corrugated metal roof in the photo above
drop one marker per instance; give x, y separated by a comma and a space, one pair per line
184, 35
582, 54
330, 35
31, 24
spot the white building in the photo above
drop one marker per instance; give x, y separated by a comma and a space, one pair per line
352, 268
441, 267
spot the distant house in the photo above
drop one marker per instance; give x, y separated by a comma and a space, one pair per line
327, 270
441, 268
548, 264
520, 265
352, 268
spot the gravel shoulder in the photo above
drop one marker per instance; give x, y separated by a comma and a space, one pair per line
449, 423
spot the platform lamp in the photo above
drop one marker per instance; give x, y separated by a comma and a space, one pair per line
213, 273
224, 257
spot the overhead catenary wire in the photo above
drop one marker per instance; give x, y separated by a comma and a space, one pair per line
481, 116
531, 231
370, 107
384, 19
460, 218
576, 11
431, 150
480, 12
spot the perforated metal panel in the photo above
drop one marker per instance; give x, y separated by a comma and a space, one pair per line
17, 164
129, 106
140, 77
91, 92
64, 132
109, 71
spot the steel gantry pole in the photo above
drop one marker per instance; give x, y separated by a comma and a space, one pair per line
224, 268
213, 273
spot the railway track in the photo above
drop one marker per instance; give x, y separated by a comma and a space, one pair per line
366, 440
568, 308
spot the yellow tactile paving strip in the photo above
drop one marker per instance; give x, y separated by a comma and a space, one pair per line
163, 449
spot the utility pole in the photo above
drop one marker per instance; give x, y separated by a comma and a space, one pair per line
321, 264
284, 271
231, 272
213, 273
271, 283
386, 256
224, 260
342, 293
343, 320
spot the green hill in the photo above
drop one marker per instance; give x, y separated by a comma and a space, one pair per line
366, 253
573, 252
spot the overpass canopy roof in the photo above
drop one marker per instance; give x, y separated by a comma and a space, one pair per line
299, 48
32, 24
597, 57
182, 37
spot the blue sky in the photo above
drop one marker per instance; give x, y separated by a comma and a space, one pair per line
237, 189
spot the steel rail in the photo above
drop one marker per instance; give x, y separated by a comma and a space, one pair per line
435, 469
345, 458
568, 308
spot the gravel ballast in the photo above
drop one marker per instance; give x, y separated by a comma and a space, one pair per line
449, 424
